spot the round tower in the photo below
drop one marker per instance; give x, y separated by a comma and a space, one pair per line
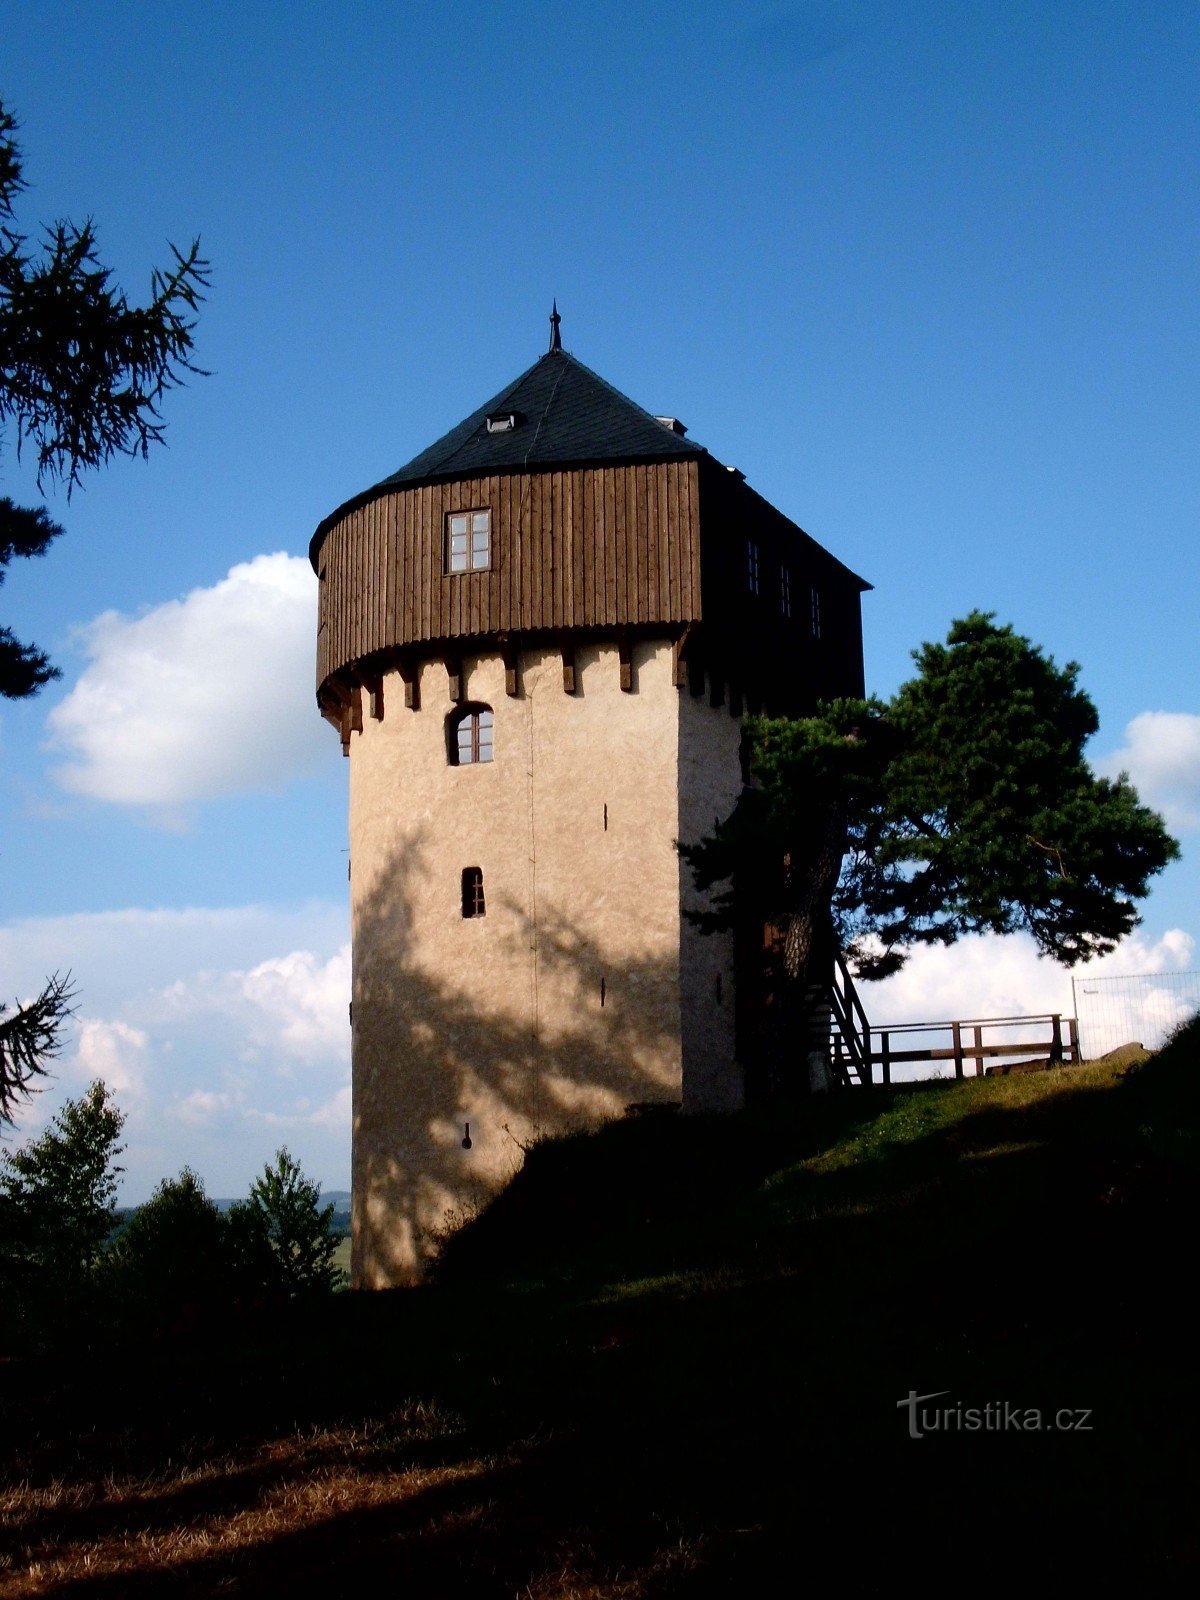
537, 641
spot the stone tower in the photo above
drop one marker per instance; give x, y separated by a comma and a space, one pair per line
537, 641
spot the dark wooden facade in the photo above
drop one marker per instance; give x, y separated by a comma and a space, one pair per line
583, 548
658, 547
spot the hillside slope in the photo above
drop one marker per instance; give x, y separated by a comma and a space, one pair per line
674, 1358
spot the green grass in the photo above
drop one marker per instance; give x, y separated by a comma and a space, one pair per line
667, 1361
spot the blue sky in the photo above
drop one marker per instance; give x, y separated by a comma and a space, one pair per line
927, 275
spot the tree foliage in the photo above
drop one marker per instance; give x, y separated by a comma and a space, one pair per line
285, 1210
82, 376
57, 1210
170, 1263
964, 805
82, 372
30, 1037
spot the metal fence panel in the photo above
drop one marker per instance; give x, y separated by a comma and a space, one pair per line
1143, 1006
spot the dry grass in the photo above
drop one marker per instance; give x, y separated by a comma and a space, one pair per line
227, 1507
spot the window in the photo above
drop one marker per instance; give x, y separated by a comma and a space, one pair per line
785, 590
472, 892
470, 736
468, 541
815, 613
752, 577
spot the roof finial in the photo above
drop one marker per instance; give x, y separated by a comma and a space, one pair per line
555, 336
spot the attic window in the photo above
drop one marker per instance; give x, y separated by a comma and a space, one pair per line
672, 425
501, 421
468, 541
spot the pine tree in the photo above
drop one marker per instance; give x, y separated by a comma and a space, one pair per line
965, 804
82, 374
57, 1209
170, 1265
285, 1207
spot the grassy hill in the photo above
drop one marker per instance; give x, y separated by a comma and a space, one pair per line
673, 1359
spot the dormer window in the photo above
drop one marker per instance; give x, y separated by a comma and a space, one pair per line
470, 736
468, 541
502, 421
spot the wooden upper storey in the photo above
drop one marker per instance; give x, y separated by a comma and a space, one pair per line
576, 548
601, 519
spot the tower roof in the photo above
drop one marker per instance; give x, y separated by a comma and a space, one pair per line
564, 412
561, 413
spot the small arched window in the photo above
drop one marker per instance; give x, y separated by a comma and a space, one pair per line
470, 736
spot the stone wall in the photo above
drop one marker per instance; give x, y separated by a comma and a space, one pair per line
581, 990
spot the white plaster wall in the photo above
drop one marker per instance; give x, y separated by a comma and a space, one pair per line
710, 780
498, 1021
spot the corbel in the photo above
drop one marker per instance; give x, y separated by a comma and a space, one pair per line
410, 676
625, 657
374, 687
678, 663
512, 661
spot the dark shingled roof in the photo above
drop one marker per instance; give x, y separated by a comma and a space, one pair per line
566, 414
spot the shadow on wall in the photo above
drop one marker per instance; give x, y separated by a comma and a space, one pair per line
465, 1053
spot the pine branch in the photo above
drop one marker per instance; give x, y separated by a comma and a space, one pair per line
30, 1037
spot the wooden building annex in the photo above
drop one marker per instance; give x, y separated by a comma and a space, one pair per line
537, 641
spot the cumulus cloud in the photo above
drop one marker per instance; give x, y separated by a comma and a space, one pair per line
200, 1107
1161, 754
197, 698
114, 1051
292, 1008
986, 975
305, 999
222, 1032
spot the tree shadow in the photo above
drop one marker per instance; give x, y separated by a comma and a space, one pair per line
458, 1072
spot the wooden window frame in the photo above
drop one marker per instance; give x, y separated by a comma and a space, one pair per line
474, 901
469, 513
457, 719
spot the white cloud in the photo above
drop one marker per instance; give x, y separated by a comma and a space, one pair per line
307, 1000
220, 1031
116, 1052
986, 975
200, 697
1161, 754
200, 1107
293, 1008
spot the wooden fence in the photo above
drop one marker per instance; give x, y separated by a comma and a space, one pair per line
865, 1054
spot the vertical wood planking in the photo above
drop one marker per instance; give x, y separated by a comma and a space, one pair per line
579, 547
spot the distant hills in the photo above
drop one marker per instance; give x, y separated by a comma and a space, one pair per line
339, 1199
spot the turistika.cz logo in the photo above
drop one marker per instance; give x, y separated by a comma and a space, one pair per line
997, 1416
